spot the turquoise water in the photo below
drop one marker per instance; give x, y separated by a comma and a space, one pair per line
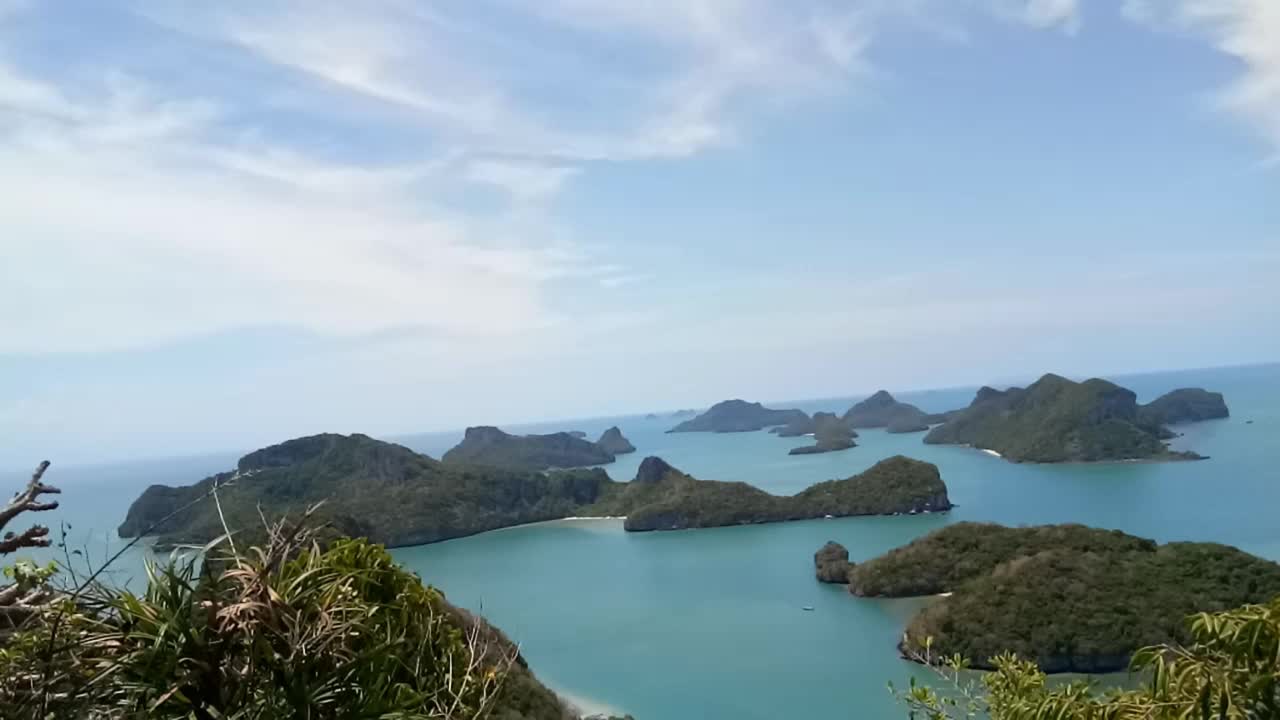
708, 623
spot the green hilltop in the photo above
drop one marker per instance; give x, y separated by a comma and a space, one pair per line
1067, 597
1058, 420
394, 496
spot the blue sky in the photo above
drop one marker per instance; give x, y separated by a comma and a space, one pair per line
225, 224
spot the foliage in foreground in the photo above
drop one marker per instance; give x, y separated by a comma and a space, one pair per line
1230, 670
288, 630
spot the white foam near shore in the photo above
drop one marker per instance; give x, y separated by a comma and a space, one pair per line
991, 452
588, 707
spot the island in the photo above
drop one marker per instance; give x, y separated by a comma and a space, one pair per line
369, 488
881, 410
490, 446
797, 426
663, 498
830, 433
397, 497
737, 416
831, 563
1184, 405
1058, 420
614, 442
1071, 598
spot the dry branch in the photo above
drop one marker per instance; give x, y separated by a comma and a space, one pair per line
28, 501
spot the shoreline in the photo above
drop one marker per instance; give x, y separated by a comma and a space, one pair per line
583, 706
1115, 461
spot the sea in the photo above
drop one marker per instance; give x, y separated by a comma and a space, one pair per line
712, 624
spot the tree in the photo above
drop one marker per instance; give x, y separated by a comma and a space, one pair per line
1229, 671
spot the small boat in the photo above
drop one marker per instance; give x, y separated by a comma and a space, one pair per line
807, 608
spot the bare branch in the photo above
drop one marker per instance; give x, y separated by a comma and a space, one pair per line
34, 536
29, 501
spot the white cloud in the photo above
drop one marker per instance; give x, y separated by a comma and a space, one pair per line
1062, 15
127, 221
1247, 30
1053, 13
524, 180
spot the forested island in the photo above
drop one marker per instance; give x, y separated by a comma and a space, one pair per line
738, 416
881, 410
613, 441
830, 433
1069, 597
395, 496
663, 498
1058, 420
492, 447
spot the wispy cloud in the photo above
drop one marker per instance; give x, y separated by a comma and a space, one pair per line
1247, 30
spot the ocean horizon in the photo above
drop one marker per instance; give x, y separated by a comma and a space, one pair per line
708, 623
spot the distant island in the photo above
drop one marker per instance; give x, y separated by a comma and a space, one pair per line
394, 496
370, 488
1058, 420
881, 410
737, 416
1069, 597
492, 447
830, 433
1184, 405
613, 441
663, 498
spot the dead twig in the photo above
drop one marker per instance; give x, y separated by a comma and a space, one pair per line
28, 501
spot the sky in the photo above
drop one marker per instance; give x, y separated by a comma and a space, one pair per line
227, 224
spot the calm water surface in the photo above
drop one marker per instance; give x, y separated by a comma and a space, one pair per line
707, 624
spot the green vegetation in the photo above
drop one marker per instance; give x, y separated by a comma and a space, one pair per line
1066, 597
370, 488
831, 563
1088, 612
1228, 668
612, 441
882, 410
1057, 420
1183, 405
394, 496
830, 433
946, 558
495, 448
663, 498
296, 627
737, 416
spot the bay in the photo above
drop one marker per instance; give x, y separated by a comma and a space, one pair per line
709, 623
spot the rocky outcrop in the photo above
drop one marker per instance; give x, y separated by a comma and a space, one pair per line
1057, 420
831, 563
663, 498
613, 441
490, 446
1068, 597
1184, 405
370, 488
798, 426
830, 433
652, 470
882, 410
737, 416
